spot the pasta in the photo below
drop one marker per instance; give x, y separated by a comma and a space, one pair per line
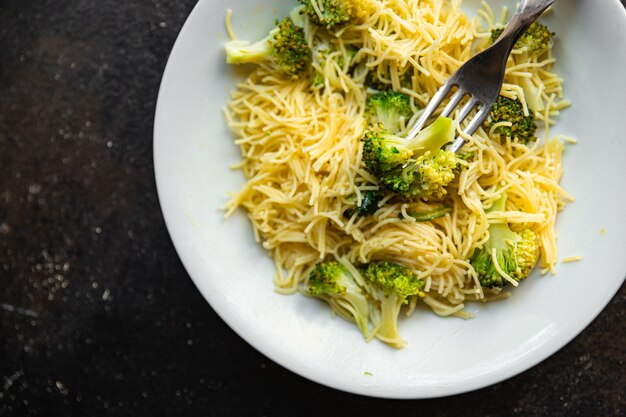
302, 154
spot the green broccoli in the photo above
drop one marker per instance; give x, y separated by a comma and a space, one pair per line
516, 253
426, 216
537, 38
390, 108
522, 127
336, 13
415, 168
383, 151
285, 47
391, 285
332, 282
532, 95
369, 205
426, 177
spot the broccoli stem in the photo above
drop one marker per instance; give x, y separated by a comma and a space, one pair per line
500, 233
358, 307
243, 52
433, 137
296, 16
425, 216
532, 94
499, 204
390, 306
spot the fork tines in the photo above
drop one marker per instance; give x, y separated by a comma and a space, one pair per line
457, 97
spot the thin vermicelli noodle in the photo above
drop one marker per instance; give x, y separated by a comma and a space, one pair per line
302, 154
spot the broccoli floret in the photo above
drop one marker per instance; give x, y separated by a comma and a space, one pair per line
335, 13
369, 205
522, 127
383, 151
390, 108
332, 282
415, 168
391, 285
285, 47
425, 178
516, 253
537, 38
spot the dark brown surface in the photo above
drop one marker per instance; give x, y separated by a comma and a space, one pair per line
97, 314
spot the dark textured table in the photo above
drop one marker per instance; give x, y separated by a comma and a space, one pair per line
97, 314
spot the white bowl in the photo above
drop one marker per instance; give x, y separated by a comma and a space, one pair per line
193, 149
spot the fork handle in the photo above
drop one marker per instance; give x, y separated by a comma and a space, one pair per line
527, 12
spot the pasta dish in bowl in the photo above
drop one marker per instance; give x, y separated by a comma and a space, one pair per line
333, 192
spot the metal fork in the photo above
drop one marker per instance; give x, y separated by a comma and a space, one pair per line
481, 77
